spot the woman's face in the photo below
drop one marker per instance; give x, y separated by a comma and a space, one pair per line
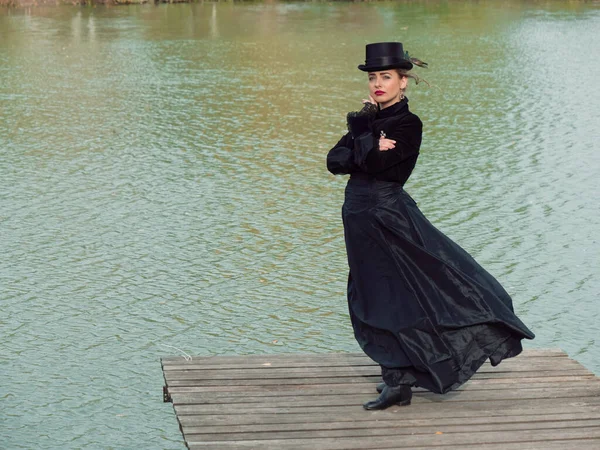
386, 87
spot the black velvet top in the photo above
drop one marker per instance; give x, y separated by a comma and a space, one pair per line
359, 153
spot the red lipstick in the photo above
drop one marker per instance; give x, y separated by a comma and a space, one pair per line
379, 92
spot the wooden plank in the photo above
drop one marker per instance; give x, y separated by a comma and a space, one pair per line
391, 430
352, 398
360, 365
244, 359
522, 380
474, 384
343, 406
403, 422
570, 444
531, 374
414, 411
239, 406
361, 388
276, 382
361, 378
518, 366
274, 373
369, 387
285, 363
403, 441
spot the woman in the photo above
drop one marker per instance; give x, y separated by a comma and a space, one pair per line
420, 305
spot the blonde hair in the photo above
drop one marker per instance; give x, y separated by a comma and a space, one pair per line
408, 74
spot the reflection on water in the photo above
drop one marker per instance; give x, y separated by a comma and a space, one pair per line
164, 188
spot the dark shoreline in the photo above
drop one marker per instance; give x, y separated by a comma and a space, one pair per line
33, 3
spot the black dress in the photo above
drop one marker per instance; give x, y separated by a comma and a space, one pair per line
420, 305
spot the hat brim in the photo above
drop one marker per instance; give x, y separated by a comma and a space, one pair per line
406, 65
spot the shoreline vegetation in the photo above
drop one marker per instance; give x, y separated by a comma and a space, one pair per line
32, 3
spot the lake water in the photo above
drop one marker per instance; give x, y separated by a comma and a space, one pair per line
163, 188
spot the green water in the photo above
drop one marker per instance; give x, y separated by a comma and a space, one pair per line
163, 188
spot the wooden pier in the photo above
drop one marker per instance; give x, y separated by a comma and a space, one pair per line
540, 400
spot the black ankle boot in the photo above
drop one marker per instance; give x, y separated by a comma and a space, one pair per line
397, 395
380, 387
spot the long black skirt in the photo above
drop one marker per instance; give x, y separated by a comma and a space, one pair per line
418, 301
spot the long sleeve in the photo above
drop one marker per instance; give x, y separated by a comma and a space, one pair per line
407, 133
340, 159
343, 158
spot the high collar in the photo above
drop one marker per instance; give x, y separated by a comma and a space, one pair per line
392, 110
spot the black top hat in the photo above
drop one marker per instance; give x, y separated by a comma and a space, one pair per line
385, 55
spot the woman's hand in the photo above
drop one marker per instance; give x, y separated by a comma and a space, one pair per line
369, 100
359, 122
386, 144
